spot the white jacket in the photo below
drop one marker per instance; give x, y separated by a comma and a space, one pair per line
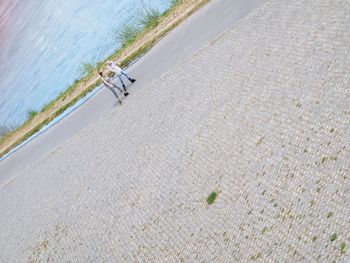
112, 66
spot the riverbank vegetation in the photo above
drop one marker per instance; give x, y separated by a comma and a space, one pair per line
5, 129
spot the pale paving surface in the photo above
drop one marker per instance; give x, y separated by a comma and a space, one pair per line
261, 116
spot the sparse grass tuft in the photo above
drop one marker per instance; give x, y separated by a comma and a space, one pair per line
211, 198
31, 114
329, 214
128, 34
256, 256
5, 129
265, 229
342, 248
86, 69
333, 237
175, 2
149, 18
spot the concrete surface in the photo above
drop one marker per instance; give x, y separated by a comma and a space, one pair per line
261, 116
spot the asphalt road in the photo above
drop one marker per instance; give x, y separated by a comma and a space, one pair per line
197, 31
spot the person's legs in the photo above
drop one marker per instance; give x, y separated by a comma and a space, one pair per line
125, 92
126, 75
116, 95
117, 87
121, 81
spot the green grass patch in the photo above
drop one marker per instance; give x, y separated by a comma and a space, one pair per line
128, 34
333, 237
86, 69
256, 256
211, 198
342, 248
149, 18
5, 129
31, 114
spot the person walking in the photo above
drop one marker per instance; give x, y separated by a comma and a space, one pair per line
111, 86
113, 66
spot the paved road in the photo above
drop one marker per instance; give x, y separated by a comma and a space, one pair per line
267, 127
196, 32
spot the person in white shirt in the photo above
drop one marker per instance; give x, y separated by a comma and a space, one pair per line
119, 72
111, 86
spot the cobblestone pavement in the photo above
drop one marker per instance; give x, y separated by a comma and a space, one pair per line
261, 116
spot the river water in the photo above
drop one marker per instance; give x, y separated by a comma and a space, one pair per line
43, 45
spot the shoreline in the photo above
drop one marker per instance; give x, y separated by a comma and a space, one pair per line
144, 41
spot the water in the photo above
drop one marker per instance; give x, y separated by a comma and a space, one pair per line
44, 43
